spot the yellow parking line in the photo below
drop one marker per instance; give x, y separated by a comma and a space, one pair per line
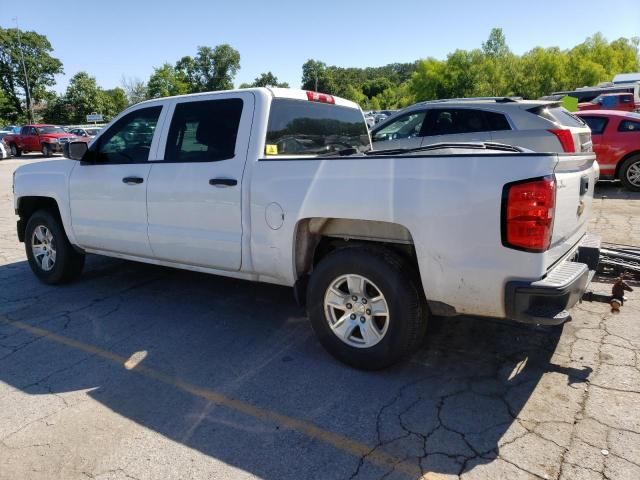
340, 442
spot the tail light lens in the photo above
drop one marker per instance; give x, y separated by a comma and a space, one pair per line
527, 214
320, 97
566, 139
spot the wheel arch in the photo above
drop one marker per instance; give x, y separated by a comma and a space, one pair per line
28, 205
317, 236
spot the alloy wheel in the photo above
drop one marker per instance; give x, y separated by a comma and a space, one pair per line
356, 311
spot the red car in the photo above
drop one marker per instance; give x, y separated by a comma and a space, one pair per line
611, 101
38, 138
616, 142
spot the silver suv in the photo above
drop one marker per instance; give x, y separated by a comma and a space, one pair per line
538, 125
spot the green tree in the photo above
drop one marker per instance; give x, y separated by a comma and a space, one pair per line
355, 94
496, 44
165, 81
135, 89
394, 98
267, 79
541, 71
427, 82
316, 77
114, 101
57, 111
211, 69
374, 87
83, 96
40, 67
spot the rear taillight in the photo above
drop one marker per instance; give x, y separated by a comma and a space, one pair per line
566, 139
320, 97
527, 214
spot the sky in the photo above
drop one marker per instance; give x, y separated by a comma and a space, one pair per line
115, 38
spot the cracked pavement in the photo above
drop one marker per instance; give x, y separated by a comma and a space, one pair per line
143, 372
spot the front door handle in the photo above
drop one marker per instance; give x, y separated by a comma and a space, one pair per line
223, 182
132, 180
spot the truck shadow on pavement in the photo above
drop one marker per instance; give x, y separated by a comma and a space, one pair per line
232, 369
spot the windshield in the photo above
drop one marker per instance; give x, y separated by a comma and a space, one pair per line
50, 129
92, 131
310, 128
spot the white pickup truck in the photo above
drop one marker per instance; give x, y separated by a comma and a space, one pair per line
280, 186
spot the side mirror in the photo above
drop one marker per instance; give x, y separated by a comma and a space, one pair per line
75, 150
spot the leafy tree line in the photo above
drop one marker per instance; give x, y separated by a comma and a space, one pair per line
490, 70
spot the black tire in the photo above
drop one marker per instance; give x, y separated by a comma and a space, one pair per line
631, 162
15, 151
396, 279
46, 150
68, 262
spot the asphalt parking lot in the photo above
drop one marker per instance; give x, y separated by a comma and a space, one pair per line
145, 372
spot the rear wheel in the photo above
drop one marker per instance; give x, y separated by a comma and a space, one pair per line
15, 151
630, 173
365, 307
46, 150
51, 256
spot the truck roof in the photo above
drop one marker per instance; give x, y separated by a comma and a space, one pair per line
291, 93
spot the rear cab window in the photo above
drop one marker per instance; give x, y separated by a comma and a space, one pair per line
298, 127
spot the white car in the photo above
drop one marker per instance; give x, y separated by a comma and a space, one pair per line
3, 151
541, 126
279, 186
87, 132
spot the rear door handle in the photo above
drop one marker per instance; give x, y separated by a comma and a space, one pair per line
223, 182
132, 180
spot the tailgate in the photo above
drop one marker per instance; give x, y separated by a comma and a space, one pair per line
575, 175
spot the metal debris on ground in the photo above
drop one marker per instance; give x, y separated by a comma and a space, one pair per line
620, 259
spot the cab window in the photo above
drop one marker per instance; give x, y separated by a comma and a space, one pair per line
204, 131
129, 139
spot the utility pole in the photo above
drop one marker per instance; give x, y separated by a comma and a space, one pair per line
26, 77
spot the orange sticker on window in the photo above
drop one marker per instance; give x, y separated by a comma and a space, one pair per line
272, 149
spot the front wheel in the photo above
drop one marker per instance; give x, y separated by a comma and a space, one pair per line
46, 150
630, 173
51, 256
15, 151
365, 306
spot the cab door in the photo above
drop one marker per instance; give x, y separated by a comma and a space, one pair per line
31, 140
194, 196
108, 189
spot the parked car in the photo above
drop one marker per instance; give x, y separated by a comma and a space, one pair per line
88, 132
47, 139
371, 121
616, 142
534, 124
611, 101
375, 242
4, 152
11, 128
